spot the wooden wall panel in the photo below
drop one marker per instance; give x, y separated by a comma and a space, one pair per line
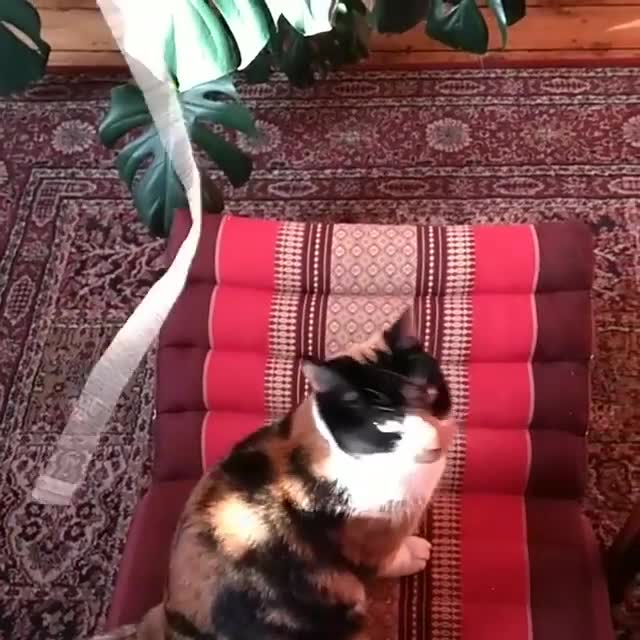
553, 31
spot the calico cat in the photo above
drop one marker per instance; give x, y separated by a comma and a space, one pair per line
279, 540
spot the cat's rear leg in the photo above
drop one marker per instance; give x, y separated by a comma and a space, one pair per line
411, 557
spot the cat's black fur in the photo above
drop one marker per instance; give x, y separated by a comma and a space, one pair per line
357, 397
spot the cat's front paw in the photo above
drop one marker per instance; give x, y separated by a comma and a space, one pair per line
410, 558
420, 548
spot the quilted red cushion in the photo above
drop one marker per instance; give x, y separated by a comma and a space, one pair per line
507, 311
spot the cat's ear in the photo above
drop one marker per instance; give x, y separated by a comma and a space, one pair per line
402, 334
321, 377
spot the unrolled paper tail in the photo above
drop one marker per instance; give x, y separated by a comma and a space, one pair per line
140, 34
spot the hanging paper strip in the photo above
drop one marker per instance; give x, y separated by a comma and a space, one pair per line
140, 28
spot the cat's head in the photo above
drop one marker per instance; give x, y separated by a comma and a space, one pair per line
394, 399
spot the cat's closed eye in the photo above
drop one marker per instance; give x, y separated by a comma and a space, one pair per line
349, 397
378, 399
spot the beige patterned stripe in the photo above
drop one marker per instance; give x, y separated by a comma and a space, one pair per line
311, 313
430, 302
373, 278
374, 260
315, 260
281, 370
415, 590
455, 345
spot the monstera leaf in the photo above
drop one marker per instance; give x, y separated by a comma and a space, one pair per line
462, 25
303, 58
157, 191
203, 42
459, 26
386, 17
23, 53
501, 17
507, 12
348, 41
210, 40
514, 10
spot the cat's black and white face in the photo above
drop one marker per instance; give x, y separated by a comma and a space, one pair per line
382, 406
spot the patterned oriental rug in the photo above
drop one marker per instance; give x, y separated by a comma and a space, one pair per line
452, 146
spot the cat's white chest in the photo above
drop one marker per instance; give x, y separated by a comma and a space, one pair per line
378, 481
374, 482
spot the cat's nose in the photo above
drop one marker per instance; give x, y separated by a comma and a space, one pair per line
428, 455
447, 430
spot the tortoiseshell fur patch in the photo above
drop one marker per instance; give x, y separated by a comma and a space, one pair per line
278, 541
